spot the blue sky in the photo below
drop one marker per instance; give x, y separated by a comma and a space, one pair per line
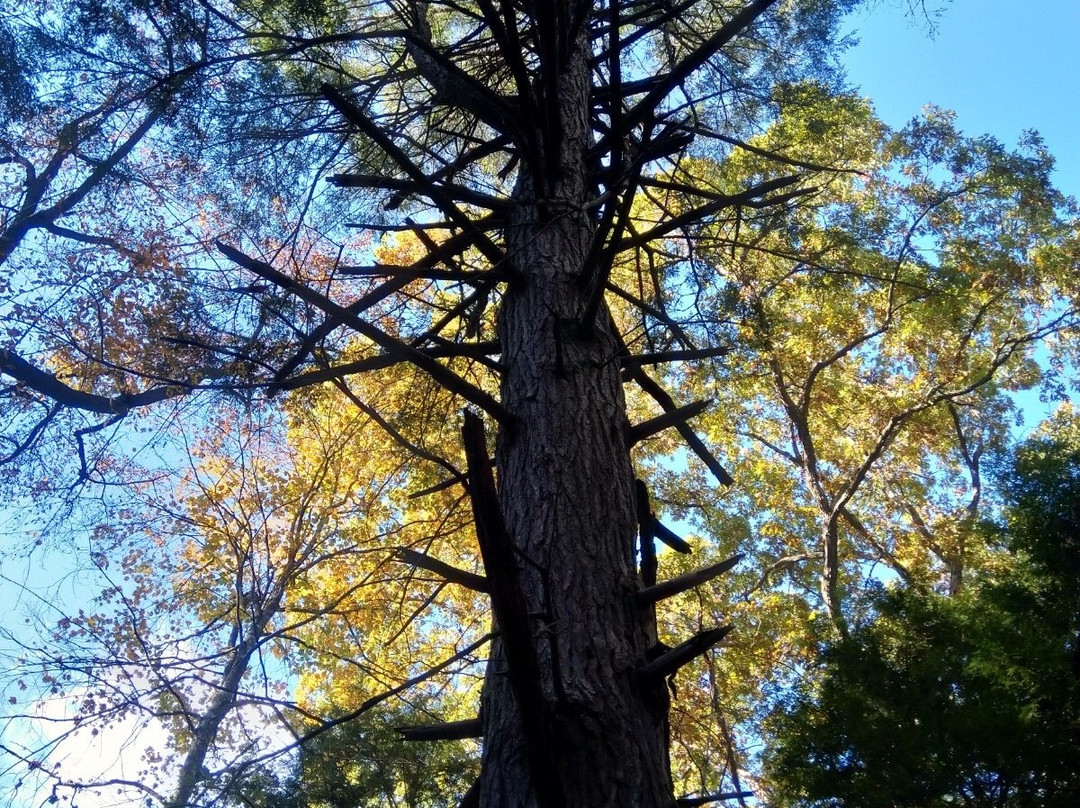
1002, 65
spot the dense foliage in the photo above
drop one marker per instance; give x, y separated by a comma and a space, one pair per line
969, 700
362, 764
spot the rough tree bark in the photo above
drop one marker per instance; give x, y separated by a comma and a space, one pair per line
566, 487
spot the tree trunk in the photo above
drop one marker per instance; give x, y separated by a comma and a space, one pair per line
566, 490
831, 593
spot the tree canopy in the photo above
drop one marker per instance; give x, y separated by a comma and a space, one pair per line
272, 272
968, 700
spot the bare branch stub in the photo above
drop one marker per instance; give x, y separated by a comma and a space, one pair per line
645, 532
651, 528
670, 661
660, 357
650, 386
446, 731
708, 799
657, 592
670, 538
679, 415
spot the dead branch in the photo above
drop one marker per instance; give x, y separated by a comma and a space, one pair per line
444, 376
660, 357
670, 538
645, 521
477, 350
679, 415
446, 731
469, 580
670, 661
695, 60
657, 592
724, 796
511, 613
693, 441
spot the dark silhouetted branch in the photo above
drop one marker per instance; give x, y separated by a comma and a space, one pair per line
646, 18
375, 700
434, 489
411, 273
511, 614
753, 197
645, 520
455, 192
670, 538
452, 84
670, 661
456, 479
660, 357
447, 249
695, 60
707, 799
657, 592
704, 131
11, 364
445, 377
693, 441
448, 731
673, 325
651, 528
356, 116
679, 415
469, 580
476, 350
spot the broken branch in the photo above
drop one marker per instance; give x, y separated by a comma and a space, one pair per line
693, 441
511, 613
672, 356
670, 538
706, 799
446, 731
469, 580
638, 433
657, 592
670, 661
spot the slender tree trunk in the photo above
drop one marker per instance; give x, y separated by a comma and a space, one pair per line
831, 593
192, 770
566, 488
205, 731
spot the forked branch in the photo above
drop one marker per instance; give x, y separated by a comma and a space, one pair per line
11, 364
